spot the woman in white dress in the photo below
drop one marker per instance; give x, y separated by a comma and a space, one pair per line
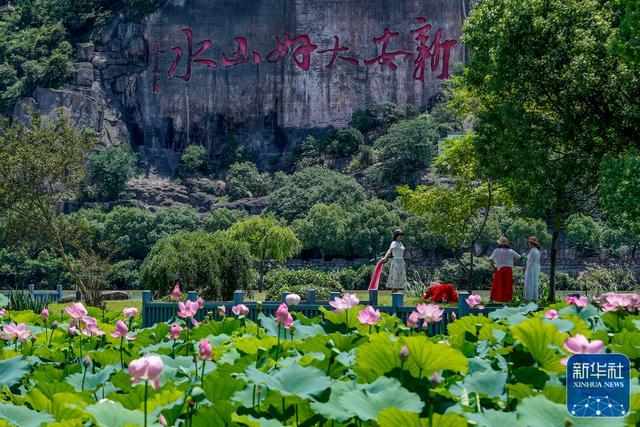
397, 272
532, 270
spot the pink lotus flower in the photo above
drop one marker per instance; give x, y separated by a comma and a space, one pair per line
404, 353
147, 368
204, 349
130, 312
578, 301
87, 361
348, 301
162, 420
369, 316
412, 320
292, 300
200, 302
551, 314
77, 310
122, 331
431, 313
222, 310
16, 332
240, 310
89, 327
435, 378
187, 309
283, 316
454, 316
3, 312
175, 331
618, 302
473, 300
175, 293
581, 345
44, 314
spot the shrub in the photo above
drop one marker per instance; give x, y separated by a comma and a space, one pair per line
214, 265
364, 120
298, 282
345, 142
174, 219
599, 280
357, 278
244, 180
453, 273
317, 184
194, 160
565, 281
109, 170
131, 229
124, 275
223, 218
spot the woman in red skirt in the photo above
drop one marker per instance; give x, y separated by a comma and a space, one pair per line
502, 260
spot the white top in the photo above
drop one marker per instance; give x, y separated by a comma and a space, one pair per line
504, 257
397, 249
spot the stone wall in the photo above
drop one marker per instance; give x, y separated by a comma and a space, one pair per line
259, 73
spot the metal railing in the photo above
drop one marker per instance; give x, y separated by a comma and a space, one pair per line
42, 297
162, 311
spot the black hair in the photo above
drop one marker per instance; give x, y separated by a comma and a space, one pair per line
396, 234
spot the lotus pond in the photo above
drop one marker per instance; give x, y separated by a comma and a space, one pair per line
350, 367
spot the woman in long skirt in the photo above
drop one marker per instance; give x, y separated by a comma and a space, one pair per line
397, 271
502, 260
532, 270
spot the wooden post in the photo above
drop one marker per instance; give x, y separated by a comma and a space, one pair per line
311, 296
32, 288
192, 295
463, 306
59, 289
397, 301
238, 297
146, 299
333, 295
373, 297
284, 295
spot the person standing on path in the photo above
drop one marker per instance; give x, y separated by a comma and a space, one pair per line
502, 260
397, 271
532, 270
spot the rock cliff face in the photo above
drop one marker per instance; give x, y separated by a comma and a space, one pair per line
258, 73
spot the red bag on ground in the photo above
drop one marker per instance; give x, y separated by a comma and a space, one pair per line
375, 278
440, 293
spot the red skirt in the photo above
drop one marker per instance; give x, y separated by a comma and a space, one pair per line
502, 285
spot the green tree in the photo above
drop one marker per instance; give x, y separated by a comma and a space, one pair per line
583, 233
402, 154
214, 265
244, 180
620, 188
42, 166
324, 230
345, 142
628, 39
268, 239
173, 219
523, 228
317, 184
453, 211
546, 113
370, 228
223, 218
132, 229
109, 170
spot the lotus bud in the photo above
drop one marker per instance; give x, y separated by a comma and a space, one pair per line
33, 340
87, 361
259, 306
54, 325
198, 394
404, 353
162, 420
435, 378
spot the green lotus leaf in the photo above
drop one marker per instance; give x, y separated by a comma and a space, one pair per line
509, 312
23, 416
91, 381
427, 357
250, 421
376, 358
293, 380
113, 414
538, 411
541, 340
13, 370
472, 324
491, 418
218, 415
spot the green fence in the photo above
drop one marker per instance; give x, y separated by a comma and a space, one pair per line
161, 311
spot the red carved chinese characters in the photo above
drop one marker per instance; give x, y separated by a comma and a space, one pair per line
155, 82
301, 55
439, 52
386, 58
191, 57
335, 54
240, 55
